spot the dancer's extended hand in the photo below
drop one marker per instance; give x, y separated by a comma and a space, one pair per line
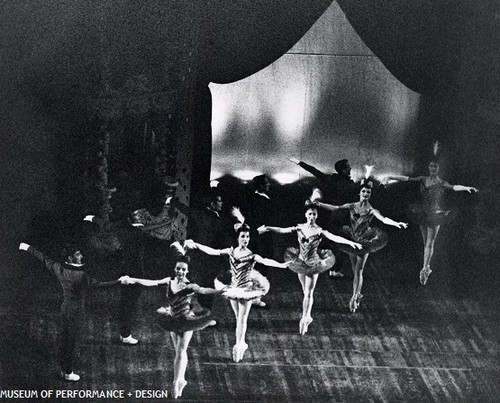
356, 245
262, 229
89, 218
23, 246
294, 160
126, 280
189, 244
402, 225
471, 189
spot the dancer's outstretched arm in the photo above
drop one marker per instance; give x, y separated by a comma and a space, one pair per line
190, 244
204, 290
143, 281
309, 168
279, 230
388, 221
50, 264
402, 178
270, 262
339, 239
331, 207
460, 188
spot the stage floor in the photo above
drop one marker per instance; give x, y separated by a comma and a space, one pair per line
406, 342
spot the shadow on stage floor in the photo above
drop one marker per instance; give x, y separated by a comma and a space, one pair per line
405, 343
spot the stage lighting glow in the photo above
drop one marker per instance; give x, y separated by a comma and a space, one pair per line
284, 178
290, 116
246, 174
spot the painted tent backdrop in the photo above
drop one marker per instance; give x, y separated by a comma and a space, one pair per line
327, 98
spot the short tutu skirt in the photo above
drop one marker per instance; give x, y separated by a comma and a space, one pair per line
322, 261
417, 214
371, 241
188, 317
257, 287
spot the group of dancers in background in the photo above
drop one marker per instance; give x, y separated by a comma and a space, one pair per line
242, 284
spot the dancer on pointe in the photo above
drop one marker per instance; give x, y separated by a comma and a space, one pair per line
246, 283
359, 230
430, 213
181, 315
308, 261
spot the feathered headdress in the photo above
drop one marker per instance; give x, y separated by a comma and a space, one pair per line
236, 212
316, 195
366, 182
181, 252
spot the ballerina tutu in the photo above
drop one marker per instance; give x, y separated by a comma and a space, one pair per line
321, 261
418, 214
255, 287
372, 240
184, 314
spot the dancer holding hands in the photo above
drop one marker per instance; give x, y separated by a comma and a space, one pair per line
246, 283
372, 239
181, 315
308, 261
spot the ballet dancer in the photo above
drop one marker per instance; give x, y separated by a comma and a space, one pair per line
75, 283
308, 261
429, 213
181, 315
359, 230
246, 283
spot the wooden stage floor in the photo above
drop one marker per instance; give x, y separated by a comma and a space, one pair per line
438, 343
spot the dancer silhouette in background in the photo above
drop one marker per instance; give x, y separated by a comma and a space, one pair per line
308, 261
246, 283
431, 213
359, 230
75, 283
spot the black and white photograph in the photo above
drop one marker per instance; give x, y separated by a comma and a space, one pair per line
250, 201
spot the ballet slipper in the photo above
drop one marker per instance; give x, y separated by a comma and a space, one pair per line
353, 304
358, 300
235, 353
304, 324
240, 351
179, 387
424, 275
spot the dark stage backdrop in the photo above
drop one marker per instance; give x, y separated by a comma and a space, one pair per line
70, 70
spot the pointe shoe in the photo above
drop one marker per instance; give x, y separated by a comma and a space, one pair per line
358, 300
424, 275
239, 351
353, 304
304, 325
179, 387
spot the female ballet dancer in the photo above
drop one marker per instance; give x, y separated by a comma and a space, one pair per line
359, 230
246, 283
308, 261
182, 314
430, 214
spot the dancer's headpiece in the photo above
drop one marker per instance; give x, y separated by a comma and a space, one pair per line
240, 226
181, 252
